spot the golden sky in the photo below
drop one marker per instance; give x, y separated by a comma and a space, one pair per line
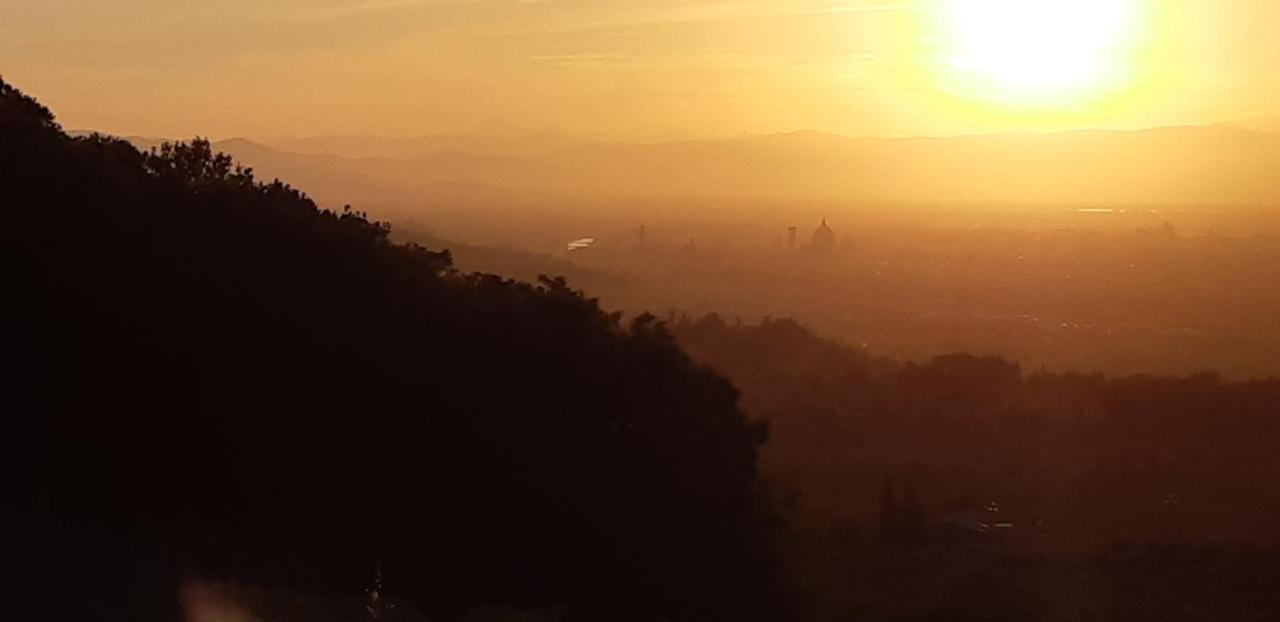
640, 68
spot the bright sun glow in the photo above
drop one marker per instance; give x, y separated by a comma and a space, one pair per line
1036, 51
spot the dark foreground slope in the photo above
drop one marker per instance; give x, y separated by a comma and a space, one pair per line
209, 377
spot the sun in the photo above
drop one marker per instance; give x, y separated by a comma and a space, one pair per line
1035, 51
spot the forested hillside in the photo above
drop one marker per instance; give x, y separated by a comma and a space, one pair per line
968, 488
210, 378
1081, 461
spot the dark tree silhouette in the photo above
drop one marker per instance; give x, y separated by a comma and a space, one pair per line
212, 376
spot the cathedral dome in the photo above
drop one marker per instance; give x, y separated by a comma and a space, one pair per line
823, 236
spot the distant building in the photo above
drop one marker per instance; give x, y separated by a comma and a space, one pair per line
823, 237
791, 238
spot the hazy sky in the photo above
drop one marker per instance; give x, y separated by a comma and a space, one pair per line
632, 68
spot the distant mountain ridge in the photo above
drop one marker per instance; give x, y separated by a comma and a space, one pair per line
1187, 166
